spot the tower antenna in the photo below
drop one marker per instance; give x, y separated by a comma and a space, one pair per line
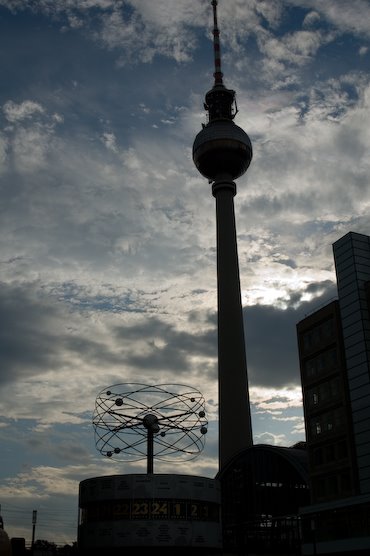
218, 75
219, 102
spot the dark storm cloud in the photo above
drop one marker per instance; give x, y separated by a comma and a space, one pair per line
27, 345
174, 349
271, 340
35, 335
41, 334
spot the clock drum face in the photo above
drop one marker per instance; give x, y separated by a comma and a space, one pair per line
143, 510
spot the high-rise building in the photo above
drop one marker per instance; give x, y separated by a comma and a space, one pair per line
334, 352
352, 261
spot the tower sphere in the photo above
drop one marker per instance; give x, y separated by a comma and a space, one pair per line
222, 148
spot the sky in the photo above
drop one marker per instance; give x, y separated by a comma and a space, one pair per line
107, 243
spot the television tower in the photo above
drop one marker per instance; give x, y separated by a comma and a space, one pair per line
222, 152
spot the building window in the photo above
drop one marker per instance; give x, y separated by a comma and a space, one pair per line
345, 482
326, 392
316, 426
327, 328
310, 368
330, 453
316, 336
332, 485
328, 422
342, 450
319, 488
334, 387
317, 456
325, 361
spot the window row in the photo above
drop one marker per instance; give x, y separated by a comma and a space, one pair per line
321, 333
328, 422
320, 364
332, 486
324, 392
344, 523
329, 453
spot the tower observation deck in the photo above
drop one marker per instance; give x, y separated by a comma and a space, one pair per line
222, 152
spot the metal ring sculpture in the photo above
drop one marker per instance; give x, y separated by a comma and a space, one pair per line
135, 421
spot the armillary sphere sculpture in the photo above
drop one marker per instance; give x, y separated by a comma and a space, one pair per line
136, 421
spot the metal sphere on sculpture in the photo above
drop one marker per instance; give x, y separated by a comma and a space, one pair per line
150, 421
173, 414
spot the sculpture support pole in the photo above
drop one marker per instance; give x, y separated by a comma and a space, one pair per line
235, 429
150, 451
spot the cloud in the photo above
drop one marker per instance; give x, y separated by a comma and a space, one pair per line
296, 48
328, 127
351, 17
29, 139
271, 342
17, 112
24, 348
137, 29
270, 399
311, 19
271, 439
45, 342
109, 141
166, 348
3, 152
41, 482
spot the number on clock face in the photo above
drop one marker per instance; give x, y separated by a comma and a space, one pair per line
159, 508
140, 508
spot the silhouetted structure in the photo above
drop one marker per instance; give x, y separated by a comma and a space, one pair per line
262, 490
18, 546
144, 514
262, 487
334, 351
222, 152
138, 513
164, 421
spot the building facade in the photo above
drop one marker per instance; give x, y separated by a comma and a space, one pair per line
328, 417
334, 344
352, 262
262, 489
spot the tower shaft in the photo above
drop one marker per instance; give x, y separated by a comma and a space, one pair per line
235, 429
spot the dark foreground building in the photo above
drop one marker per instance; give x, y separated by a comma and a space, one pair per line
334, 352
262, 490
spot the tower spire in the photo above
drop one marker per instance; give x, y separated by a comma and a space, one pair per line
218, 75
